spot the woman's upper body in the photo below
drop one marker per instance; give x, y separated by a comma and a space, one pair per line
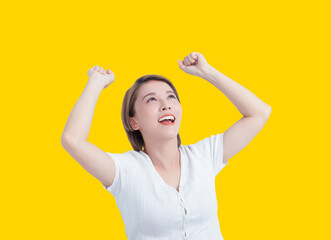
151, 206
152, 209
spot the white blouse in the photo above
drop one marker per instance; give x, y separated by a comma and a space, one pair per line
151, 209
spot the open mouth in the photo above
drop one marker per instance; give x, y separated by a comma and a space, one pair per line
168, 121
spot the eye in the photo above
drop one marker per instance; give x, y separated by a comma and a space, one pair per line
150, 99
169, 96
172, 96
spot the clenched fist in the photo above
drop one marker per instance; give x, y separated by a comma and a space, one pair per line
98, 76
194, 64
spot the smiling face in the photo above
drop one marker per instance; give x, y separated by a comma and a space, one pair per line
151, 107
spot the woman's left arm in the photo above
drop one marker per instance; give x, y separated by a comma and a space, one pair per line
246, 102
255, 112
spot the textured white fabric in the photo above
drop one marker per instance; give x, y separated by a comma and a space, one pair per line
151, 209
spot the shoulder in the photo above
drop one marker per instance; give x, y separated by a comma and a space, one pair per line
129, 166
205, 145
128, 159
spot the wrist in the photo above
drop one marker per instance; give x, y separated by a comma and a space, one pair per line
94, 86
209, 73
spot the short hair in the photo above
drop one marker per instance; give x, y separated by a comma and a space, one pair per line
128, 110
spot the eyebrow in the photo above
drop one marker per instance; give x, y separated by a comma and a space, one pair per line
153, 93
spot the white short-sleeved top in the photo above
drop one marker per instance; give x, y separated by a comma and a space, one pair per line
152, 209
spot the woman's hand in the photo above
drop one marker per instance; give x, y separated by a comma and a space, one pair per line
194, 64
98, 76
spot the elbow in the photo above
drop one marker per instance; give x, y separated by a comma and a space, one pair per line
66, 141
267, 112
69, 142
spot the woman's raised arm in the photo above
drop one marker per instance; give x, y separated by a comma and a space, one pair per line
76, 131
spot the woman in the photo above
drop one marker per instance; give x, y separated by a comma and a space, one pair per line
163, 189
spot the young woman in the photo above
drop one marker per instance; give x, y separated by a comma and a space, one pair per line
164, 190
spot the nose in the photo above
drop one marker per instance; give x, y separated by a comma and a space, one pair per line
165, 105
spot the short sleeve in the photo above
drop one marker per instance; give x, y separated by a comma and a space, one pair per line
119, 181
212, 149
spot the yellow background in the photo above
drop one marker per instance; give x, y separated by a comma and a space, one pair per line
278, 187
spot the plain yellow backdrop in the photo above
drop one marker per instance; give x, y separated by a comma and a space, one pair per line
277, 187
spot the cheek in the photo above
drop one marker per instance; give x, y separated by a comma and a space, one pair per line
178, 108
149, 113
179, 112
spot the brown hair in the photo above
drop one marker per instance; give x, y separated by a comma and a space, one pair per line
128, 110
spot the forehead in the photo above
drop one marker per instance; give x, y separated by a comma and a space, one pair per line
153, 86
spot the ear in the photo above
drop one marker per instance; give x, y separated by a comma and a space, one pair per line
134, 124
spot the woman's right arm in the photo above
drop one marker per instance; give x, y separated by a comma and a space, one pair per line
76, 131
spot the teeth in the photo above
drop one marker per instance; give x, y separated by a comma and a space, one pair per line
167, 117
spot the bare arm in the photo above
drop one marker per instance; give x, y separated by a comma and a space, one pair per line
246, 102
255, 112
76, 131
79, 122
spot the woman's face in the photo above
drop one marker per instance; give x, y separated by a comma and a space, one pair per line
151, 107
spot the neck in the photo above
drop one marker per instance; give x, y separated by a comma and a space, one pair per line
164, 155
